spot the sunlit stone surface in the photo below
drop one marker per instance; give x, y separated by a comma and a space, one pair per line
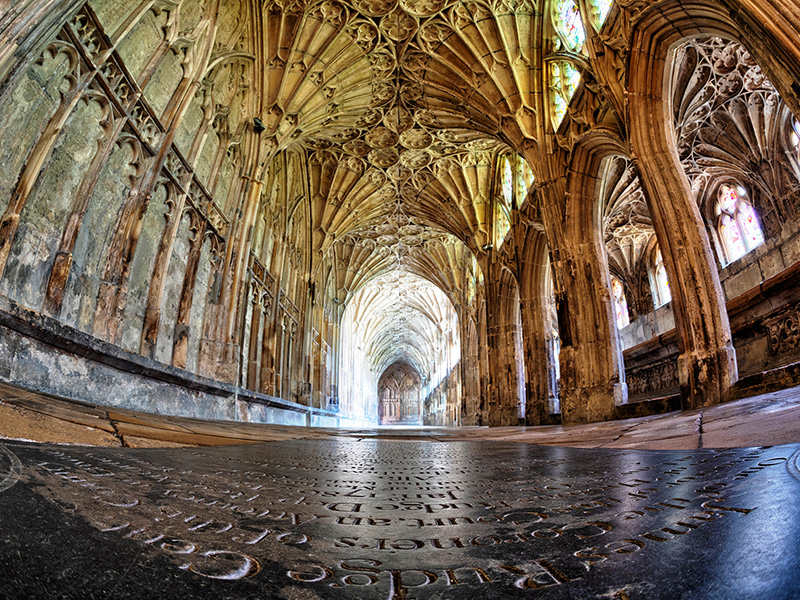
398, 520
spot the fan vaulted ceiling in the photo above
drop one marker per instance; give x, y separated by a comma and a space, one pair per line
399, 106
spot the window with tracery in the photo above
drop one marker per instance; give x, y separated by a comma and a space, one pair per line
569, 37
620, 303
502, 209
568, 26
564, 80
508, 181
516, 181
795, 136
600, 10
524, 180
737, 224
661, 293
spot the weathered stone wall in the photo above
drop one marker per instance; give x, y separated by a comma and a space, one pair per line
123, 144
105, 211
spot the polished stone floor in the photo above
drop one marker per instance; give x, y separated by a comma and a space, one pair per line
398, 520
764, 420
683, 506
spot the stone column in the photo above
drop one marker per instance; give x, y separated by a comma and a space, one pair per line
533, 269
501, 298
707, 360
592, 373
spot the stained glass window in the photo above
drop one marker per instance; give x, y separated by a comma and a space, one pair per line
516, 180
502, 208
600, 9
564, 80
620, 303
661, 293
502, 223
795, 137
524, 180
737, 223
508, 181
568, 25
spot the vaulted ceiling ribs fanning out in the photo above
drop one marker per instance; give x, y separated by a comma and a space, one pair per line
391, 99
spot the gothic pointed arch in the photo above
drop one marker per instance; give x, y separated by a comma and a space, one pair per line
707, 361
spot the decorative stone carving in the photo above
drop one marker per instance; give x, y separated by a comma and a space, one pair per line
661, 377
375, 8
783, 331
381, 137
415, 159
422, 8
398, 119
416, 139
89, 36
383, 157
398, 25
364, 34
731, 124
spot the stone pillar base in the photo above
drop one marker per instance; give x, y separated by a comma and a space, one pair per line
589, 405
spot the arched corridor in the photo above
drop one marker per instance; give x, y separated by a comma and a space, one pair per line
229, 219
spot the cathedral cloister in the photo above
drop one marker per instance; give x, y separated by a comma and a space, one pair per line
417, 213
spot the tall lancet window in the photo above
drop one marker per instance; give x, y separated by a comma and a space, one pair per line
661, 293
516, 180
620, 303
564, 80
568, 25
568, 38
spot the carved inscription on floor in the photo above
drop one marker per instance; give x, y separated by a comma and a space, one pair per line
405, 520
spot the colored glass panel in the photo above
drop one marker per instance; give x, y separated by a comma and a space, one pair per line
601, 8
568, 24
663, 294
524, 179
727, 199
739, 229
508, 181
564, 80
502, 224
751, 230
620, 304
731, 238
559, 107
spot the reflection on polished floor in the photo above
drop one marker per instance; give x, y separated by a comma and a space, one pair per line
764, 420
399, 514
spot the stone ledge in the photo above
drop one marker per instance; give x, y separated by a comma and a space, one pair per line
62, 340
768, 381
53, 333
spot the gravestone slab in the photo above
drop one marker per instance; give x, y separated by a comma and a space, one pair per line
398, 520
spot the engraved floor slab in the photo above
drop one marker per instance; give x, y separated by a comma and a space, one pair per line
398, 520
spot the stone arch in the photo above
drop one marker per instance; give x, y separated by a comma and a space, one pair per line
399, 395
707, 361
586, 321
540, 358
507, 404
